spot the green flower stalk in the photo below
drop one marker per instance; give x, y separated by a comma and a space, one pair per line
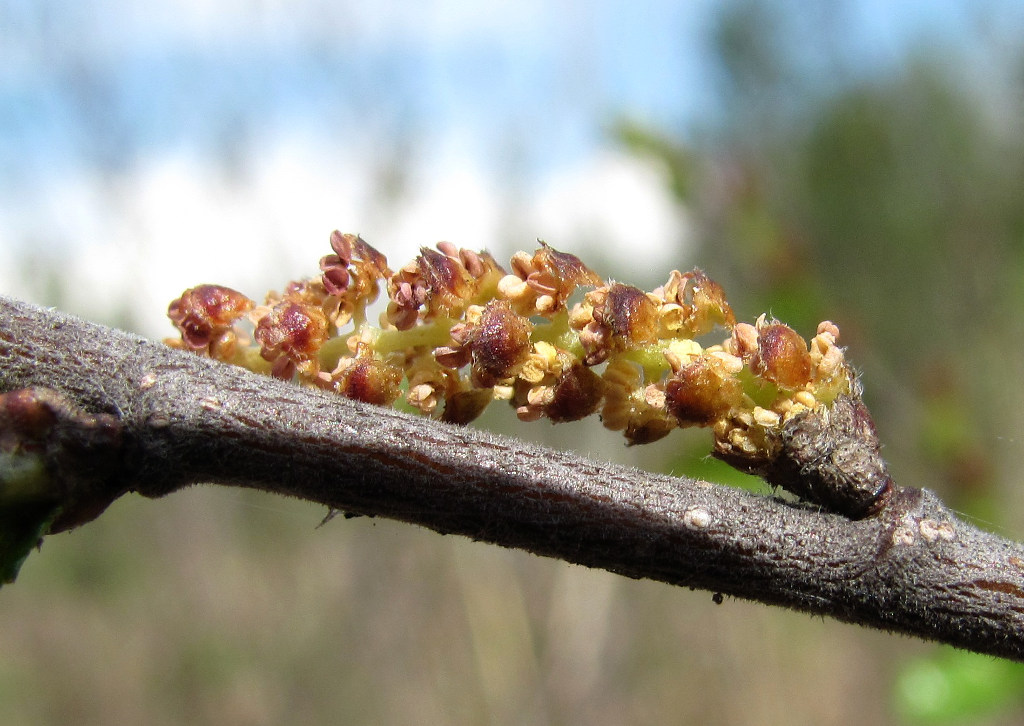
460, 332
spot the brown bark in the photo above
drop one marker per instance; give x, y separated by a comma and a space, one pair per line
912, 567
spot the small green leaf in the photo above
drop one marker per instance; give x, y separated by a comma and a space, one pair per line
22, 527
956, 685
694, 461
27, 508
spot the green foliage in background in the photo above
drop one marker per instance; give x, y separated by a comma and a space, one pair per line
884, 196
891, 204
953, 686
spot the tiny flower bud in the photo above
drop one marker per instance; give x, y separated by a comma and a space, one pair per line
623, 316
829, 328
702, 391
512, 288
293, 332
451, 308
369, 380
576, 395
335, 278
447, 283
708, 303
464, 406
782, 356
693, 302
563, 271
550, 277
629, 314
646, 430
452, 356
540, 396
543, 361
353, 257
335, 267
743, 342
500, 343
423, 397
206, 312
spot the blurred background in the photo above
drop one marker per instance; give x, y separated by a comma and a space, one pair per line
854, 160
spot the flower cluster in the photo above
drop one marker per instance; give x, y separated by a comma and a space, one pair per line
551, 337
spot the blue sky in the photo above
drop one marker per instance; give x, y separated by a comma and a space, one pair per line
143, 145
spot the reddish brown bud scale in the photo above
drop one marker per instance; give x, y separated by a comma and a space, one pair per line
342, 245
782, 356
622, 317
500, 343
439, 270
464, 406
65, 445
447, 281
577, 394
707, 298
701, 392
566, 267
371, 381
367, 253
629, 315
553, 276
646, 432
292, 330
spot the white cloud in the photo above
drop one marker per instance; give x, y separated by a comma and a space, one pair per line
178, 222
621, 204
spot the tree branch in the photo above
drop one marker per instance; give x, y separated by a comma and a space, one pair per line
133, 415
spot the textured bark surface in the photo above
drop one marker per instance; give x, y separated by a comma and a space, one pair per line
912, 567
